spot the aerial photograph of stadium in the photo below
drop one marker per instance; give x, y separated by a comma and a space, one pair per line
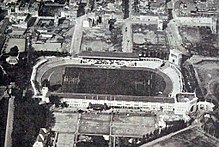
109, 73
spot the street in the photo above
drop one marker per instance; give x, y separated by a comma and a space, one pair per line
77, 36
9, 126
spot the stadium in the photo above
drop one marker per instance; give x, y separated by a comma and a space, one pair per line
147, 84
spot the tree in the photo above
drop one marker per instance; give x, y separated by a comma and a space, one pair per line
14, 51
46, 83
55, 100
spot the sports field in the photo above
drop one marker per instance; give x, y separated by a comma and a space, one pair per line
123, 81
116, 124
69, 125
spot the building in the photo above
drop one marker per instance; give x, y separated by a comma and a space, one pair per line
183, 105
41, 138
175, 57
12, 60
186, 103
128, 102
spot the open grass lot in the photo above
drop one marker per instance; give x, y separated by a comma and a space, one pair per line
208, 71
132, 125
95, 124
203, 43
125, 81
189, 138
150, 41
102, 40
20, 43
149, 38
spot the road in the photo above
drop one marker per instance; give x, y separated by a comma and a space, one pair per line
127, 36
9, 126
174, 38
77, 36
127, 32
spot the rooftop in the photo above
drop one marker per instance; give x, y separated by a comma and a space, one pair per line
51, 9
185, 97
191, 136
108, 55
48, 46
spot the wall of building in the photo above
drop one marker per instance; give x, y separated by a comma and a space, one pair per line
180, 108
152, 19
175, 57
185, 107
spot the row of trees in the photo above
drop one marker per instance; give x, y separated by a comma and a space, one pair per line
175, 126
29, 117
3, 119
136, 142
125, 8
211, 124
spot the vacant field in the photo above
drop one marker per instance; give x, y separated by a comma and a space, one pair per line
138, 82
